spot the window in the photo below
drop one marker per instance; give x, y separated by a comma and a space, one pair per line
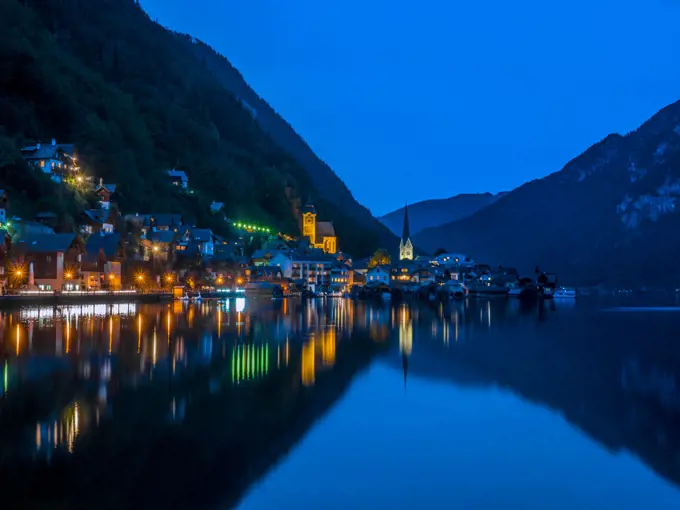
42, 163
48, 258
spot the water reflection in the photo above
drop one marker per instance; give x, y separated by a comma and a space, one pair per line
176, 397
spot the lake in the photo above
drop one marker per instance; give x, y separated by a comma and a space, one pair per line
255, 404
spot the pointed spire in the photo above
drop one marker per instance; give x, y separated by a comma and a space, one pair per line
406, 232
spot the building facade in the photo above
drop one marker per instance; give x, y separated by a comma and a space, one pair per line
321, 234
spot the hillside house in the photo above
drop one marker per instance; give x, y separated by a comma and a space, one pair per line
55, 258
55, 158
178, 178
94, 221
105, 193
195, 241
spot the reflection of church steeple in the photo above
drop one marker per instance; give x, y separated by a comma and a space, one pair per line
405, 245
404, 364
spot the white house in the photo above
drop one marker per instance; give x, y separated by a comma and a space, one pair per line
284, 261
378, 274
54, 158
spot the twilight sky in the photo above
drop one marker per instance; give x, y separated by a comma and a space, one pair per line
413, 100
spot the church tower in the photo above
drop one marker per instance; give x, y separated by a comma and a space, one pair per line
405, 245
309, 222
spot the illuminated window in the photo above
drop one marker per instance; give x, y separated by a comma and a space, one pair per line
42, 163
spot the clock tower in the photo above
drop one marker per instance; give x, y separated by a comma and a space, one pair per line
309, 223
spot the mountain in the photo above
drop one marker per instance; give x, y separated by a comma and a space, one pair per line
609, 216
432, 213
138, 99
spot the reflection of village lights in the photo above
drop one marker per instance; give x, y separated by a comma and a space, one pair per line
240, 304
5, 376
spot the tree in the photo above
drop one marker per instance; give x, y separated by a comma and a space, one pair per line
379, 258
439, 251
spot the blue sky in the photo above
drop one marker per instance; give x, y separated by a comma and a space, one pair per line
414, 100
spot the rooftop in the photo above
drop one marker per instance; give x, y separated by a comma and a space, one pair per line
44, 243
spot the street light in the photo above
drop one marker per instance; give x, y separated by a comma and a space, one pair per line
156, 248
68, 276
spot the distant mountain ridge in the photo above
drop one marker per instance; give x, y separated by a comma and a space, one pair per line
431, 213
610, 216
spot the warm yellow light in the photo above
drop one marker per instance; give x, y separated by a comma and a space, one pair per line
79, 178
239, 280
140, 277
111, 276
220, 280
169, 278
69, 276
19, 272
155, 248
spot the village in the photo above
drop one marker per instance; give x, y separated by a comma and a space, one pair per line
123, 252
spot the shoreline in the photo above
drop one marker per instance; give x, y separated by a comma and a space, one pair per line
10, 301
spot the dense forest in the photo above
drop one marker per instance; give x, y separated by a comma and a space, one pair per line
138, 99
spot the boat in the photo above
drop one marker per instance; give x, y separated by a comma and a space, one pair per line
264, 289
486, 288
455, 289
565, 293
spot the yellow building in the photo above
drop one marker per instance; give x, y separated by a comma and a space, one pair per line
321, 234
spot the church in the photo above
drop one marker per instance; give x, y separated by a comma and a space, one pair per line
405, 244
321, 234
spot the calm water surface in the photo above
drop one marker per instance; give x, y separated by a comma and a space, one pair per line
338, 404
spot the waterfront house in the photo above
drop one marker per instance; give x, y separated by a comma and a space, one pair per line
341, 277
158, 245
283, 260
55, 258
379, 274
54, 158
402, 272
266, 274
102, 262
312, 267
424, 275
178, 178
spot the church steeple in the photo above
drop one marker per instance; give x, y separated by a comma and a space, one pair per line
405, 245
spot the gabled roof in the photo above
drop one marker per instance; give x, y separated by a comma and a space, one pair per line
97, 215
162, 219
44, 243
385, 268
318, 257
162, 236
108, 243
47, 150
178, 174
325, 229
201, 235
111, 188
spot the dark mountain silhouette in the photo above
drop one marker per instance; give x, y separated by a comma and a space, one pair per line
138, 99
432, 213
609, 216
